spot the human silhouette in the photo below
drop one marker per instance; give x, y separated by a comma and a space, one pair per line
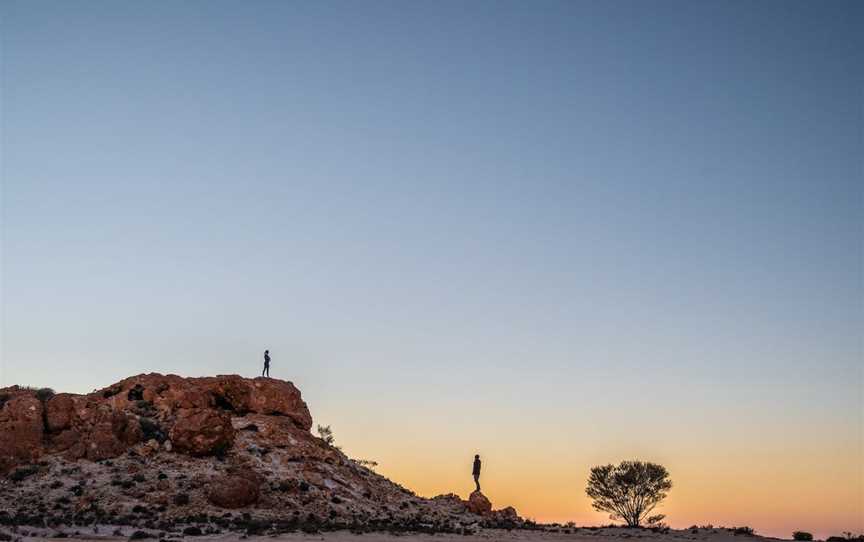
266, 370
476, 471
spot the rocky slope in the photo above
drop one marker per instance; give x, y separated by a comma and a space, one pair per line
217, 453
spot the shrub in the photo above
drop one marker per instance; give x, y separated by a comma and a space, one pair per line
802, 535
746, 531
43, 394
629, 491
326, 435
23, 472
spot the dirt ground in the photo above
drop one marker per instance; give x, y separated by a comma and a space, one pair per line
549, 535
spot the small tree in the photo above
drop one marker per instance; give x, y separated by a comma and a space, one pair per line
802, 535
326, 435
629, 491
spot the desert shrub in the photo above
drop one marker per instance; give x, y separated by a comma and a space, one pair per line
368, 463
151, 429
43, 394
23, 472
745, 531
629, 491
326, 435
802, 535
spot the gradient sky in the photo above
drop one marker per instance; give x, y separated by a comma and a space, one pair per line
556, 234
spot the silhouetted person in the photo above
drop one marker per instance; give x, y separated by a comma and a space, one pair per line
266, 370
476, 471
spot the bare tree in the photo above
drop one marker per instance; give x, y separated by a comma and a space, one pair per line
629, 491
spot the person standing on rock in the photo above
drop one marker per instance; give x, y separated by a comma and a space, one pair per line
476, 471
266, 364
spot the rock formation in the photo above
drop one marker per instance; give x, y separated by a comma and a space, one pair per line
224, 452
479, 504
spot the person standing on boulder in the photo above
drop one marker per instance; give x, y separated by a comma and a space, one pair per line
266, 364
476, 471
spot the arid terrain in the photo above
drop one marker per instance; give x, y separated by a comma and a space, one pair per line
539, 534
164, 455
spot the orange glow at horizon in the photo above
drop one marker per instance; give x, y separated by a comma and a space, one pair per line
771, 481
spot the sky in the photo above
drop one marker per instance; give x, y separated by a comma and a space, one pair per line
557, 234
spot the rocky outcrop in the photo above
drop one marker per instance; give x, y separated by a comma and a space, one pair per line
194, 413
226, 451
478, 504
233, 492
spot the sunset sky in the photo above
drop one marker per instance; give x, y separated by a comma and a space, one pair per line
557, 234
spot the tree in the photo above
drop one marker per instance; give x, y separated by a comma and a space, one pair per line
326, 435
629, 491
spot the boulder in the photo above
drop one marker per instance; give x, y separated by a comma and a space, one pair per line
201, 432
21, 426
508, 514
478, 504
59, 412
233, 492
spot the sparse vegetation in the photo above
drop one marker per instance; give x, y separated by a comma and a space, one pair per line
743, 531
368, 463
629, 491
802, 535
326, 435
44, 394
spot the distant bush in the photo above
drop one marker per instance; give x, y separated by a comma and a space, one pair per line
745, 531
629, 491
43, 394
802, 535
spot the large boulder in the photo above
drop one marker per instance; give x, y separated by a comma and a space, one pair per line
479, 504
202, 432
59, 412
279, 398
233, 492
21, 428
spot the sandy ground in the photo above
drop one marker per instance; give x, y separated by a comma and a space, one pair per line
578, 535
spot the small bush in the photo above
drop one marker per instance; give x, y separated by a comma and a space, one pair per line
745, 531
43, 394
23, 472
802, 535
326, 435
367, 463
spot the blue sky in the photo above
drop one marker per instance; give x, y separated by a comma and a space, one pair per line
444, 204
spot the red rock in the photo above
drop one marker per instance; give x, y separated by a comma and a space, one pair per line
277, 397
60, 410
202, 432
479, 504
233, 492
507, 514
111, 433
21, 427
